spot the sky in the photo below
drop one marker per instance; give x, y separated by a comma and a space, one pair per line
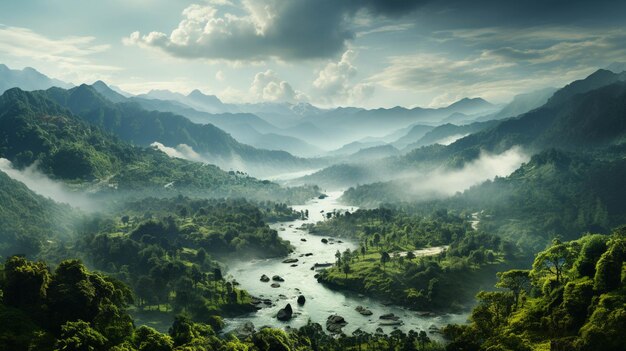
368, 53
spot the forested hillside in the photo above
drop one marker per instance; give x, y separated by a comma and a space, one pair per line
134, 124
573, 298
34, 128
29, 220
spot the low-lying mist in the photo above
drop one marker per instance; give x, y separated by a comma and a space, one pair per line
39, 183
186, 152
234, 162
443, 183
450, 139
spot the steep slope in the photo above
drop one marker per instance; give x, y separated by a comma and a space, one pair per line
580, 306
596, 80
29, 220
107, 92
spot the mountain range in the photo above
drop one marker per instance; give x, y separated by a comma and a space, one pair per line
585, 115
27, 79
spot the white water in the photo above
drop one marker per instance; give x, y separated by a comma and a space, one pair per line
320, 301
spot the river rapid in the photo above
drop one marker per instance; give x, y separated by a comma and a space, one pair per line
320, 301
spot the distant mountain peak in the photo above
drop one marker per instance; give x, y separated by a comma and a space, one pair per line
196, 92
478, 101
32, 70
594, 81
99, 83
198, 95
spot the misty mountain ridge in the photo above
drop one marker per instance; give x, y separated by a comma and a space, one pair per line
66, 147
584, 115
132, 123
27, 79
246, 128
195, 99
520, 104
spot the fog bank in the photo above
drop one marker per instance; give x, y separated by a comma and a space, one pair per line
39, 183
442, 183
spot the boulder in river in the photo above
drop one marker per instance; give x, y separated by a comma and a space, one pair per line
390, 317
301, 300
294, 265
325, 241
278, 278
285, 314
275, 285
303, 239
308, 254
334, 323
290, 260
364, 311
265, 278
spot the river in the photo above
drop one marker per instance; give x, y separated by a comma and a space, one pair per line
320, 301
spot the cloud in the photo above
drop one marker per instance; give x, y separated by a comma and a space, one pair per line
447, 183
46, 187
267, 86
256, 30
182, 151
498, 63
71, 56
334, 81
233, 162
219, 75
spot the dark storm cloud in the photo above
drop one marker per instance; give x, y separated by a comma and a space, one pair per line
303, 29
298, 29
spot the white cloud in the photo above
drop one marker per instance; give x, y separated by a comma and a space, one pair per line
480, 75
447, 183
71, 56
334, 83
182, 151
267, 86
219, 75
252, 31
